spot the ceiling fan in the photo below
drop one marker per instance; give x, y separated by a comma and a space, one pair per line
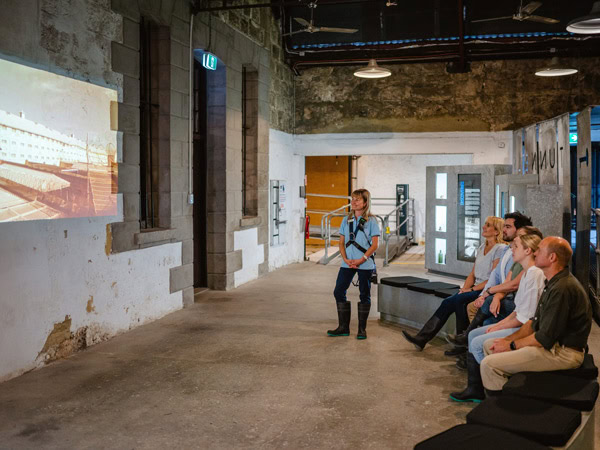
524, 13
309, 27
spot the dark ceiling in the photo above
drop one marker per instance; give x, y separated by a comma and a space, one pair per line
410, 31
430, 30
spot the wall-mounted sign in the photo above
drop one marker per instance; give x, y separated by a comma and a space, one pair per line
209, 61
469, 216
572, 138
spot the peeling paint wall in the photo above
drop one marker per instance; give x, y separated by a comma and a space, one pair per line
46, 277
61, 288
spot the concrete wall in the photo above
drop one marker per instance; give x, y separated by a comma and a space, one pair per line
284, 164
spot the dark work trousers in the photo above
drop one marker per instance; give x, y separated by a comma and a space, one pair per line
507, 306
344, 279
457, 303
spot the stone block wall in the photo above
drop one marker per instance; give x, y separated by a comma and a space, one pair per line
260, 26
494, 96
174, 215
224, 149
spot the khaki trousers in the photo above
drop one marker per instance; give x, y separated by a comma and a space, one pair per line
496, 368
472, 310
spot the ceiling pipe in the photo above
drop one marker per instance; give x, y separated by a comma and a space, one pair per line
442, 57
280, 4
462, 64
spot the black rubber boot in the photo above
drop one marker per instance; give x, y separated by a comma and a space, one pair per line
363, 314
461, 361
343, 329
427, 333
456, 351
474, 391
461, 340
490, 393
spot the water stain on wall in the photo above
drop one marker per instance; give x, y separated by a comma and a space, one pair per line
90, 308
108, 245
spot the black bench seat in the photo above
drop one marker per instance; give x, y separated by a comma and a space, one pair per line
539, 421
402, 282
587, 370
431, 287
576, 393
445, 293
477, 437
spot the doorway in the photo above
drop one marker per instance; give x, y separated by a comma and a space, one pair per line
200, 176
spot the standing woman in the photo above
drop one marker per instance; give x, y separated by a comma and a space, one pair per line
359, 237
488, 256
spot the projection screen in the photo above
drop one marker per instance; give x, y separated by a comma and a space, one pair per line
58, 153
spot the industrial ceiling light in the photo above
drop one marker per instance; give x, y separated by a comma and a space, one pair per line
555, 70
372, 71
589, 24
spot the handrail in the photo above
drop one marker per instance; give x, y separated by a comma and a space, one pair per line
384, 220
329, 196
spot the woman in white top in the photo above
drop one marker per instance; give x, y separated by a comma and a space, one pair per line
488, 256
526, 300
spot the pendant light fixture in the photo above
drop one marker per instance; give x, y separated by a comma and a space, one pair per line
555, 70
589, 24
372, 71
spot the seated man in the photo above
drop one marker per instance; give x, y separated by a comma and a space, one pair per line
556, 337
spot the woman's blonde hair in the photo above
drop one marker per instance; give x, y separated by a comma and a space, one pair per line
366, 196
497, 223
530, 241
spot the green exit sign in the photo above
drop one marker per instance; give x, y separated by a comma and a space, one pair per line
209, 61
573, 138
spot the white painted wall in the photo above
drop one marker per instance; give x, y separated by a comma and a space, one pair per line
51, 269
486, 148
380, 174
391, 158
285, 165
252, 255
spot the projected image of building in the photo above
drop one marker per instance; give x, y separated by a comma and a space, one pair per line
47, 174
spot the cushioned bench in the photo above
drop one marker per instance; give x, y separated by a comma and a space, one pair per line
399, 303
587, 370
576, 393
431, 286
477, 437
539, 421
445, 293
402, 282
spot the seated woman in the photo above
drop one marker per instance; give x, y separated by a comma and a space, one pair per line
488, 256
530, 291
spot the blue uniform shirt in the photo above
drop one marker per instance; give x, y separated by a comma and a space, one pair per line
363, 239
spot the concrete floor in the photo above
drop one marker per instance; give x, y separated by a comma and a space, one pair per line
249, 368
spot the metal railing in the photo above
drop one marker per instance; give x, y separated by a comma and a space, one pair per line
385, 221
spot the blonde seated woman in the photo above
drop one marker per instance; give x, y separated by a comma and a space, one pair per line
488, 256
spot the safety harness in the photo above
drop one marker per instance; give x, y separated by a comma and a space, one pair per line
352, 241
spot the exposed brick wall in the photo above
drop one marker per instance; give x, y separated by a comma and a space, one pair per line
494, 96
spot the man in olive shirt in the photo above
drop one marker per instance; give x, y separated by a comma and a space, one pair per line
556, 337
